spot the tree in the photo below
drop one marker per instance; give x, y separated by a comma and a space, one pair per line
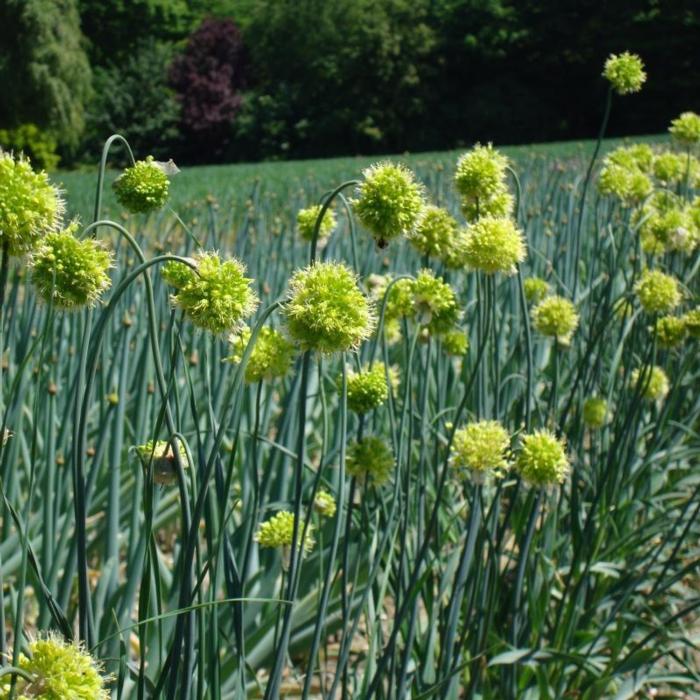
44, 71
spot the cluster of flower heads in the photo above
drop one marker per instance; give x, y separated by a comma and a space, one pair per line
143, 187
306, 222
367, 389
370, 459
625, 73
438, 235
213, 293
651, 382
271, 356
278, 532
595, 412
555, 317
657, 292
482, 449
57, 670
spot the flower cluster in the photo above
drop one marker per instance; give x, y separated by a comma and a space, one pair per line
324, 503
306, 222
595, 412
58, 670
370, 459
367, 389
692, 322
278, 531
495, 245
555, 317
535, 289
542, 459
686, 128
388, 201
669, 168
162, 456
68, 272
481, 448
143, 187
216, 296
671, 331
437, 235
455, 342
657, 292
629, 184
666, 224
30, 206
625, 73
480, 182
270, 358
434, 303
653, 383
326, 311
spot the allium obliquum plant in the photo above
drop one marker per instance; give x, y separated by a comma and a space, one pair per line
462, 466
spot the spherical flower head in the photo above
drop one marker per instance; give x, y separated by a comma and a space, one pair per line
326, 311
367, 389
59, 670
435, 233
324, 503
435, 302
455, 342
495, 245
388, 202
542, 459
536, 289
692, 322
625, 72
480, 173
161, 456
657, 292
653, 383
30, 206
667, 224
595, 412
555, 317
481, 448
498, 205
685, 129
306, 222
630, 186
70, 273
278, 531
370, 459
399, 301
638, 156
671, 331
143, 187
271, 357
217, 296
669, 168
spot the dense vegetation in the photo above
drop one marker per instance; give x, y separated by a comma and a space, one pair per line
240, 80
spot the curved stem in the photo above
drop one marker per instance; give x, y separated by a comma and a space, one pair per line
324, 208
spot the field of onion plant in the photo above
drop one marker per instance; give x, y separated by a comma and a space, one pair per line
427, 434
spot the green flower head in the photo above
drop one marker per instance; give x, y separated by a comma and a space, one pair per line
455, 342
68, 272
495, 245
481, 448
481, 173
59, 670
555, 317
669, 168
324, 504
326, 311
30, 206
370, 458
388, 202
625, 73
536, 289
437, 235
143, 187
367, 389
671, 331
399, 302
278, 531
692, 322
162, 455
653, 382
217, 297
306, 221
595, 412
542, 459
657, 292
434, 302
685, 129
630, 186
667, 224
638, 156
271, 357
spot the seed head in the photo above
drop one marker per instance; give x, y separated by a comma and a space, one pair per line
367, 389
143, 187
217, 297
370, 458
495, 245
625, 72
455, 342
654, 383
326, 311
278, 531
271, 357
68, 272
555, 317
481, 448
685, 129
480, 173
657, 292
595, 412
542, 459
30, 206
306, 221
388, 201
536, 289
